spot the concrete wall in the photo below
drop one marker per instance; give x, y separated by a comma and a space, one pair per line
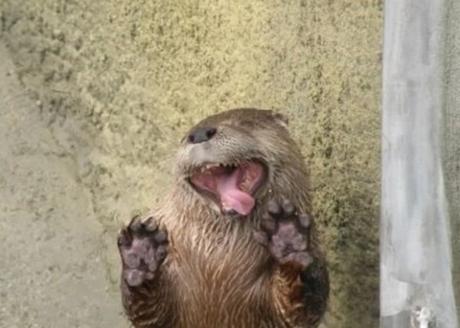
452, 132
125, 78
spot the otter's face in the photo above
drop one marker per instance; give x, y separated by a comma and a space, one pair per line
227, 159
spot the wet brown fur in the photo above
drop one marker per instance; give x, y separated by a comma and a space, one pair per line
216, 274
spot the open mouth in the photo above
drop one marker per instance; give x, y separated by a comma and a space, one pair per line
231, 186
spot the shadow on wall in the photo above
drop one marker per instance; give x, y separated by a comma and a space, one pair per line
134, 75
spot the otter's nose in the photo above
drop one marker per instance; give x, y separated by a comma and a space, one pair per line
201, 135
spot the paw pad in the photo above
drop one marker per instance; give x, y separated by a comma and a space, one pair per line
285, 233
143, 247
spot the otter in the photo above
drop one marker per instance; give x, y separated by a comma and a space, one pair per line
234, 243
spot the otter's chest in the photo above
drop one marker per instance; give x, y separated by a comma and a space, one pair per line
223, 283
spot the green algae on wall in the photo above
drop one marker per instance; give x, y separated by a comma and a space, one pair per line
135, 75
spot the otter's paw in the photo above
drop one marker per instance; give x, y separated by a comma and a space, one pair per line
143, 247
285, 234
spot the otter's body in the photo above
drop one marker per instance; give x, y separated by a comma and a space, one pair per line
233, 244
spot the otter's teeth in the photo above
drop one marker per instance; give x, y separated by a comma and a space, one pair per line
205, 170
210, 166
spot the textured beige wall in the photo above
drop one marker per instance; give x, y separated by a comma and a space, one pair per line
126, 78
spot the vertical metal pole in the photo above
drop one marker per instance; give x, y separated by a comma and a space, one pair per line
416, 279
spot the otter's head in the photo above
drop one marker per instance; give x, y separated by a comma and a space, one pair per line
232, 159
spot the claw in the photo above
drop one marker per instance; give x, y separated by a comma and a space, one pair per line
160, 237
161, 253
274, 208
123, 239
268, 224
288, 207
150, 224
136, 224
304, 220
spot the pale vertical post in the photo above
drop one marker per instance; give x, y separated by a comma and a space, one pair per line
416, 278
451, 128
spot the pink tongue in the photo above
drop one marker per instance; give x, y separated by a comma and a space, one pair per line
232, 197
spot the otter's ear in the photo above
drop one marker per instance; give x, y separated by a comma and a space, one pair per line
281, 119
